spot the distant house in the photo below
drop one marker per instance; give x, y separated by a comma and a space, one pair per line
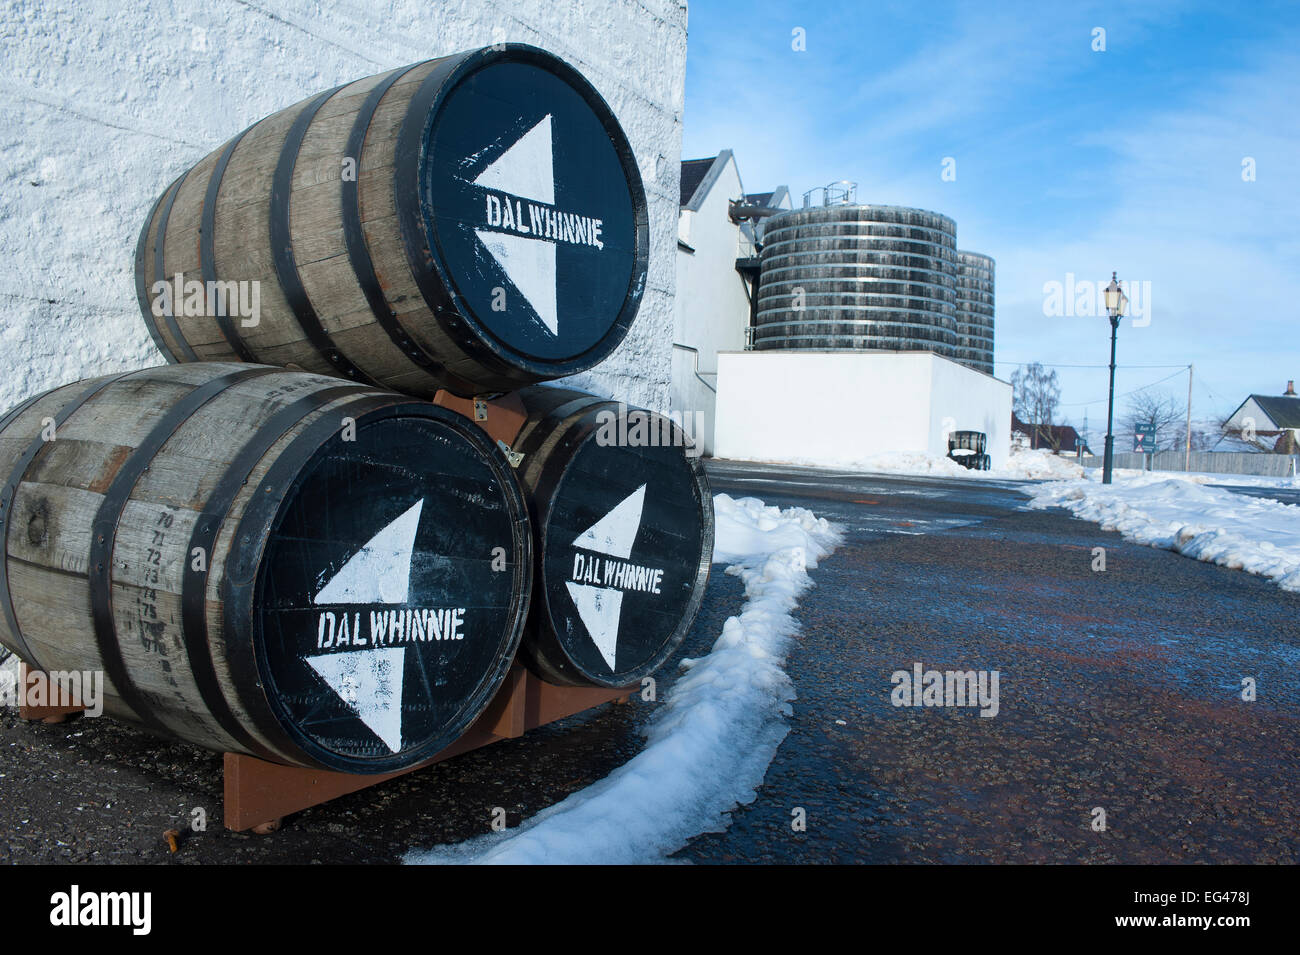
1058, 438
1266, 421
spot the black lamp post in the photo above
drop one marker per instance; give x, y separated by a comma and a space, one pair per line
1116, 302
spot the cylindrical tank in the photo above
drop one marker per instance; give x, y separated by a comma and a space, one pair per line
261, 561
975, 310
623, 520
475, 223
858, 277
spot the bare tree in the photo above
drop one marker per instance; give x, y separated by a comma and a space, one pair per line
1157, 408
1036, 398
1204, 437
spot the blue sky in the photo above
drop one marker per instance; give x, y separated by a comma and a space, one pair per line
1067, 160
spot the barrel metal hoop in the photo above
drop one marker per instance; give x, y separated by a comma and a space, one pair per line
12, 414
239, 580
10, 490
195, 584
160, 267
141, 282
207, 244
103, 538
354, 235
286, 267
529, 443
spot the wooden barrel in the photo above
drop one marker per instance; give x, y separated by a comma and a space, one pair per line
475, 223
261, 561
623, 519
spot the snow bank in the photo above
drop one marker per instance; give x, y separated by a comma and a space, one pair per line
1257, 535
1022, 465
1036, 465
710, 744
1197, 477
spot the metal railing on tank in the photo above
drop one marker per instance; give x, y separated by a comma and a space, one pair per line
840, 193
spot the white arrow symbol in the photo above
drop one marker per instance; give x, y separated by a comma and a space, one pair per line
614, 533
530, 265
601, 608
379, 573
370, 683
527, 170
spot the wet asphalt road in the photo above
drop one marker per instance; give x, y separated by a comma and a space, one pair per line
1119, 690
1286, 495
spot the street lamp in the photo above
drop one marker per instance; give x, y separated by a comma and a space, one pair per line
1116, 303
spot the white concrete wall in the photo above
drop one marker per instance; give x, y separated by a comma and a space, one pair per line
962, 399
711, 309
841, 408
105, 101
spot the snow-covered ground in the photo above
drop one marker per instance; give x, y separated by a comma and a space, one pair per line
709, 746
1022, 465
1184, 514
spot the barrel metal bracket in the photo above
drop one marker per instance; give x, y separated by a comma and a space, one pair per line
514, 457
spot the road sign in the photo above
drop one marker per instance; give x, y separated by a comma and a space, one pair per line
1144, 439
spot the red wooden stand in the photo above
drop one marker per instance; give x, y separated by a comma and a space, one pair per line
46, 714
258, 794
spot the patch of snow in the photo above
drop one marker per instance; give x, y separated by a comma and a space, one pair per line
8, 679
1258, 535
1022, 465
1196, 477
709, 746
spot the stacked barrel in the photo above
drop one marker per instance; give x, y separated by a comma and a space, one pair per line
283, 543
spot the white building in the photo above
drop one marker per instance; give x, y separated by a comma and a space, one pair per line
845, 407
799, 406
1265, 421
715, 250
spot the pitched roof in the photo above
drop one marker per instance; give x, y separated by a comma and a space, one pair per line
693, 173
1285, 412
1059, 437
